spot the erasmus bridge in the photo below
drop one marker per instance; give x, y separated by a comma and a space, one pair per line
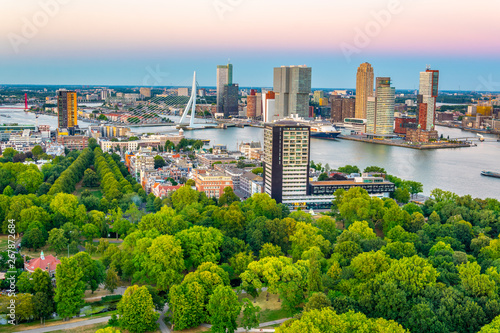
152, 112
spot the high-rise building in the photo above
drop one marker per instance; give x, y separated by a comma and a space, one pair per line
292, 86
318, 95
146, 92
252, 104
67, 110
258, 111
380, 109
364, 89
342, 108
426, 99
230, 100
286, 160
224, 77
268, 106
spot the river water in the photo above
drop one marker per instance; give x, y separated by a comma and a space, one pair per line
456, 170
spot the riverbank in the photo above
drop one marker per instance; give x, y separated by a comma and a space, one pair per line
404, 144
468, 129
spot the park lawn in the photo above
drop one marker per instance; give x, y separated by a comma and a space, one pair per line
46, 251
269, 310
4, 242
96, 191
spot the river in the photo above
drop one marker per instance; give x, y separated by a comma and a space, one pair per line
457, 170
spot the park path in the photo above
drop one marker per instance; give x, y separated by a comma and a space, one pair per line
68, 325
269, 323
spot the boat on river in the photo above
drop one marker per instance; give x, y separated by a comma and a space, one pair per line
490, 174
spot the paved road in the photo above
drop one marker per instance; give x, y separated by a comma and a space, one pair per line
269, 323
163, 327
69, 325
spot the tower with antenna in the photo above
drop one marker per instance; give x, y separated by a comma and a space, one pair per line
25, 101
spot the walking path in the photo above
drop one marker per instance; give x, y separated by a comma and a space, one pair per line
69, 325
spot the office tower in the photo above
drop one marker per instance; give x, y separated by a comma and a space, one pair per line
258, 112
202, 92
318, 95
426, 98
104, 94
230, 100
286, 160
292, 86
146, 92
268, 106
252, 104
342, 108
380, 109
67, 110
364, 89
224, 77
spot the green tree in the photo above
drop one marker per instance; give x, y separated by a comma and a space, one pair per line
349, 169
251, 315
90, 178
374, 169
165, 263
224, 308
474, 283
228, 197
493, 327
58, 242
159, 162
33, 239
111, 281
326, 320
323, 176
200, 244
401, 195
317, 301
93, 270
270, 250
37, 151
136, 310
90, 231
30, 179
70, 288
258, 170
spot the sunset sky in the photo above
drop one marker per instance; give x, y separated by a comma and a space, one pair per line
122, 42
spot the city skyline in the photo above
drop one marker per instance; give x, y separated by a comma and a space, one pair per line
69, 43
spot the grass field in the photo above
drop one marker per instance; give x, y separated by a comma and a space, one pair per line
3, 242
269, 309
95, 191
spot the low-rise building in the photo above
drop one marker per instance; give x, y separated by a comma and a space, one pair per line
78, 142
212, 182
45, 263
208, 160
420, 135
376, 186
163, 190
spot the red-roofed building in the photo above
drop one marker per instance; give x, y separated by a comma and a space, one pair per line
45, 263
161, 191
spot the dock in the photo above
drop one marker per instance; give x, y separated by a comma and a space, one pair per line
403, 144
